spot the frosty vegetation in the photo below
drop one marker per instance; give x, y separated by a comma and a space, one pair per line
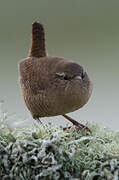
50, 153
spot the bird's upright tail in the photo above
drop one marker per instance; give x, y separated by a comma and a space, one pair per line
38, 41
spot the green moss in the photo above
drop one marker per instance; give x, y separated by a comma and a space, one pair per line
52, 153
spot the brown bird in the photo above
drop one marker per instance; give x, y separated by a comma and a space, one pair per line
51, 85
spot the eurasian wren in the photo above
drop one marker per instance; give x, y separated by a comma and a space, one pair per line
51, 85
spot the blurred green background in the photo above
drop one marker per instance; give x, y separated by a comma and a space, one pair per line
82, 30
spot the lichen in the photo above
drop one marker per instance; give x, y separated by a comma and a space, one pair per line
51, 153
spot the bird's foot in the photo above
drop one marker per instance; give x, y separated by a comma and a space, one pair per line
77, 124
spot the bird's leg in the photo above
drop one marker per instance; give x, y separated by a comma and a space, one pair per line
39, 121
79, 125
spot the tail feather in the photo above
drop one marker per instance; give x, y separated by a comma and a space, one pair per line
38, 41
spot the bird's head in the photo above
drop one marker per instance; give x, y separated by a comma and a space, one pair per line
72, 83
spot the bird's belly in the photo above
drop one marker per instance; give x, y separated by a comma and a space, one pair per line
53, 108
47, 108
45, 105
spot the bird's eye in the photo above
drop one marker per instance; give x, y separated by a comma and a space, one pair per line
62, 76
83, 74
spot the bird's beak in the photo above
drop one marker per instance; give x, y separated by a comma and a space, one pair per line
77, 77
